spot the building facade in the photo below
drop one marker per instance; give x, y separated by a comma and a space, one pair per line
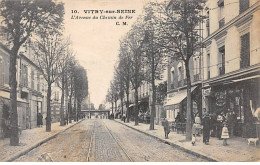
231, 62
176, 100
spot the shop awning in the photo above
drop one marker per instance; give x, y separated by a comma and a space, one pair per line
178, 97
247, 78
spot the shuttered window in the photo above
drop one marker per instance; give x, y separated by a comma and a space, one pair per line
243, 5
245, 51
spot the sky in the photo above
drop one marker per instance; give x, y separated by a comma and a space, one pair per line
96, 41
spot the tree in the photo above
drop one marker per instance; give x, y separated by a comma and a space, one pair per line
63, 79
179, 28
109, 98
134, 41
124, 72
161, 91
20, 19
81, 87
154, 56
119, 80
49, 48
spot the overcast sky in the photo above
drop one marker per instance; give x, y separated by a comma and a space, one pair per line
96, 42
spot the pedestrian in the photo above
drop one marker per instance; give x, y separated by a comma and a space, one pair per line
165, 124
197, 124
213, 123
206, 128
231, 120
40, 119
224, 134
220, 120
124, 117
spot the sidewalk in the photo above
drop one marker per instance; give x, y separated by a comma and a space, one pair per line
237, 149
29, 139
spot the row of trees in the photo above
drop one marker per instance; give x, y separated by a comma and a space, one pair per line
40, 24
165, 30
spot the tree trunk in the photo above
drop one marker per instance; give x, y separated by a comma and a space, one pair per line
122, 108
112, 107
127, 107
188, 111
48, 118
115, 106
62, 106
153, 104
66, 103
14, 138
136, 107
75, 109
153, 95
79, 110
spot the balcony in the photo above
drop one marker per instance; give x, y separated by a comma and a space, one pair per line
221, 22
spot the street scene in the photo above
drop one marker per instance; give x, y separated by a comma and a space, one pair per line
104, 140
131, 81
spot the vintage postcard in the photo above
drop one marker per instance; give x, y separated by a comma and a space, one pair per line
129, 80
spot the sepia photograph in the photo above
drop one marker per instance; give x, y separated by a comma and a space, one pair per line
129, 81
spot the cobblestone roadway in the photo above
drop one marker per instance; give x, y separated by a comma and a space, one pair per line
145, 148
73, 144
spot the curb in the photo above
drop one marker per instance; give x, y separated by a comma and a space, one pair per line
21, 153
201, 155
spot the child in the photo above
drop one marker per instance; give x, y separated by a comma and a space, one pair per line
194, 133
224, 134
193, 140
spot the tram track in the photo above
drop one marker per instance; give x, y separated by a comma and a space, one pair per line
91, 152
121, 147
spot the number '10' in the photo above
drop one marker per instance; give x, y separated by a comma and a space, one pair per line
74, 11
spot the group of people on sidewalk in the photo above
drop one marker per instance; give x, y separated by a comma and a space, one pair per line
220, 126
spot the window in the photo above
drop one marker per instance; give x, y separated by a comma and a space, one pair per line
38, 82
24, 76
179, 74
208, 65
32, 78
221, 65
172, 78
207, 24
221, 13
243, 5
245, 50
2, 73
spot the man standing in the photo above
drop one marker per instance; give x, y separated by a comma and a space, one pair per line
206, 128
231, 119
165, 124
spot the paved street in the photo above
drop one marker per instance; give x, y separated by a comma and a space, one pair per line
105, 140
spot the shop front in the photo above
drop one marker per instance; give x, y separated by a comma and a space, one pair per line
241, 97
176, 106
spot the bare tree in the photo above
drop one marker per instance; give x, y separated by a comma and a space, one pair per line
134, 41
49, 48
154, 56
80, 87
63, 79
179, 28
20, 19
124, 72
